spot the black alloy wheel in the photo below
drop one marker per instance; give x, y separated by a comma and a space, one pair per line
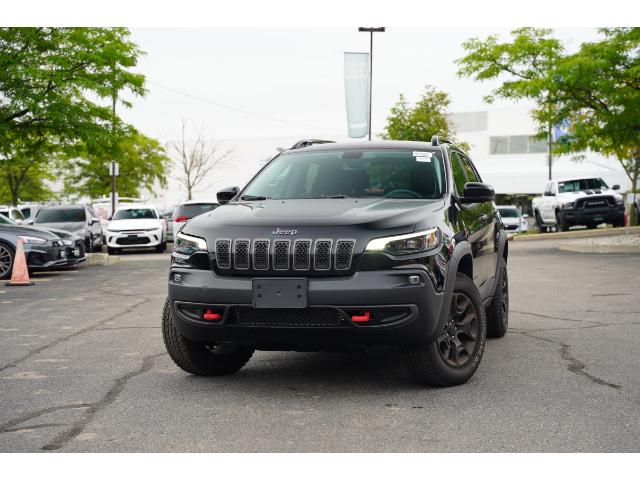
458, 341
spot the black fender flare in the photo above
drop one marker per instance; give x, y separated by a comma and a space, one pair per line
460, 250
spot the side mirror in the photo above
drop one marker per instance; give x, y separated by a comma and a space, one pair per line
224, 196
93, 221
616, 187
475, 192
549, 194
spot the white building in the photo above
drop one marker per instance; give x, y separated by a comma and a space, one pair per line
509, 158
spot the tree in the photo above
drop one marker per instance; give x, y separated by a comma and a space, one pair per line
51, 86
420, 122
142, 162
525, 65
197, 158
597, 93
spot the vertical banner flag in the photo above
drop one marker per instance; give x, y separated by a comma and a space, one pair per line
356, 87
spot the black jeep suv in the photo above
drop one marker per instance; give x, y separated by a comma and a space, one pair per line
341, 246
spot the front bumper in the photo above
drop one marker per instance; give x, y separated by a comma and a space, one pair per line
581, 216
45, 257
411, 313
134, 239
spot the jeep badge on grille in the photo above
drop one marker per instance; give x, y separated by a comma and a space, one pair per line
284, 231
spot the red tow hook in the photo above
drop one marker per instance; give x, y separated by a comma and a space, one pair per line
361, 318
211, 315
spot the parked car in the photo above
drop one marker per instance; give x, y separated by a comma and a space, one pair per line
78, 219
30, 210
578, 201
74, 245
136, 226
12, 212
43, 250
189, 209
344, 246
512, 219
167, 214
102, 209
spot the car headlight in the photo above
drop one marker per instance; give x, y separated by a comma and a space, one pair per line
407, 244
32, 240
68, 243
619, 200
188, 244
568, 205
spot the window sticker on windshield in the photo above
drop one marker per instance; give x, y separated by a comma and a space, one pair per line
423, 156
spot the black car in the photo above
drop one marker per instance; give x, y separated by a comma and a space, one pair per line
344, 246
78, 219
44, 250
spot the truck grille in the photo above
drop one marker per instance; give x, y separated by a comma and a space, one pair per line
595, 202
284, 255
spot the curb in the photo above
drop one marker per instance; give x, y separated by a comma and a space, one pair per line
600, 232
600, 248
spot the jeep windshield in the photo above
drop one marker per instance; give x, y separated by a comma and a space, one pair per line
582, 184
386, 173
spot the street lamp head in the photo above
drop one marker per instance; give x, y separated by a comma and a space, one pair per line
371, 29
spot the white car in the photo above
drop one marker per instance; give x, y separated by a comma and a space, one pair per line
578, 201
512, 220
136, 226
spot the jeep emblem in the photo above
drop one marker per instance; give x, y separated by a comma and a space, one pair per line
284, 231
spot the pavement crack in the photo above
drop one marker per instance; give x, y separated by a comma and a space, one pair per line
60, 340
574, 365
9, 425
112, 394
540, 315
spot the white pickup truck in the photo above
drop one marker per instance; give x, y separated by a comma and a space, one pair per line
578, 201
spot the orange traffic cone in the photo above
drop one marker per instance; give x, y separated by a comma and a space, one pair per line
20, 272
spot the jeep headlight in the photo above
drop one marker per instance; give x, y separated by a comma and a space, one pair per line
407, 244
567, 205
619, 200
188, 244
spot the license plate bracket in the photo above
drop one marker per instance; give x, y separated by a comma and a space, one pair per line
279, 292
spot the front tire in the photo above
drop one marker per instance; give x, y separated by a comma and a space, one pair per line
198, 358
539, 226
498, 311
453, 357
7, 257
561, 223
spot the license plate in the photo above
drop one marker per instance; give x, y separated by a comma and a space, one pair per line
598, 218
76, 252
279, 292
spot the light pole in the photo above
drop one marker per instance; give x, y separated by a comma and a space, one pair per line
371, 31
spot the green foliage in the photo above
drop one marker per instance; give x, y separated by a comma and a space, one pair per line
421, 121
56, 88
142, 162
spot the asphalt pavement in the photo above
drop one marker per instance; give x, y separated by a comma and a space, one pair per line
83, 368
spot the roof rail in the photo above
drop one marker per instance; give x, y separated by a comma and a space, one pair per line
308, 142
437, 140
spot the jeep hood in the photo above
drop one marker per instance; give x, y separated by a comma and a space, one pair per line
315, 218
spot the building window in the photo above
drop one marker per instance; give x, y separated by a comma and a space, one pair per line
468, 121
516, 144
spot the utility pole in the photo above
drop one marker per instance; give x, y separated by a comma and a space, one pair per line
371, 31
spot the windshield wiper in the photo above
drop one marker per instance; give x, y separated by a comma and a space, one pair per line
254, 197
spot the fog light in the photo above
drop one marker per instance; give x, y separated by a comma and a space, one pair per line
414, 279
177, 277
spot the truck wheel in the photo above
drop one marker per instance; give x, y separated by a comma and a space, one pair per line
7, 255
539, 226
498, 311
199, 358
561, 224
454, 356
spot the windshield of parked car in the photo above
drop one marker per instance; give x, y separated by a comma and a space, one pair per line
509, 212
387, 173
4, 220
135, 214
582, 184
191, 210
60, 215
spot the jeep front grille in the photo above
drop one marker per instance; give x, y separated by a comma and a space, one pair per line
284, 255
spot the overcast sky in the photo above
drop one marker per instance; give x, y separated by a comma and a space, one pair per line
295, 75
